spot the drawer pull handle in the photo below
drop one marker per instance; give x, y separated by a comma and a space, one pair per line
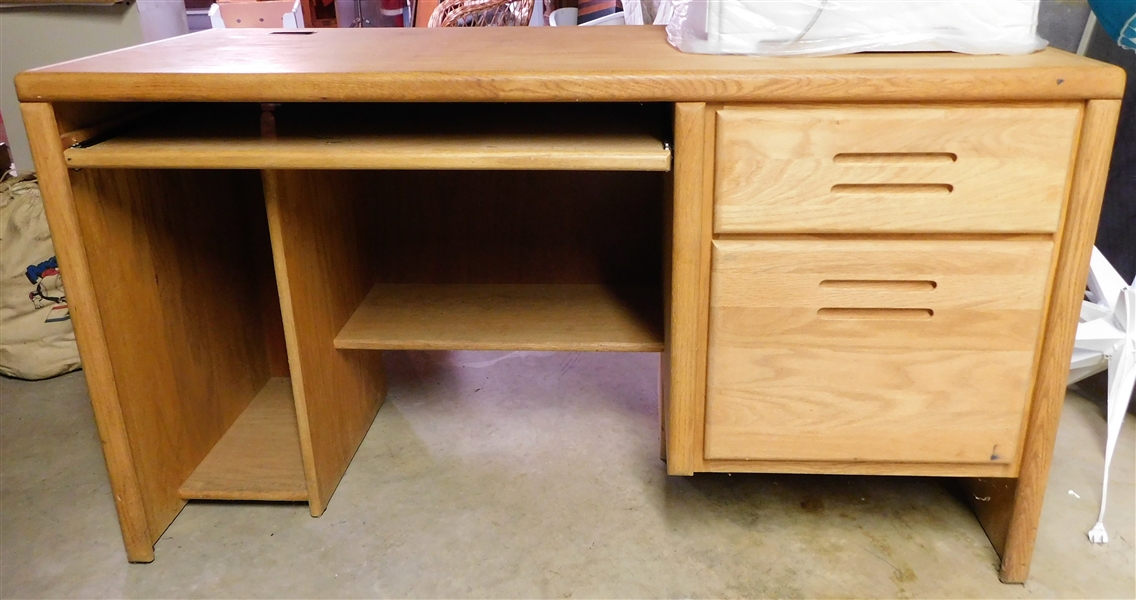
880, 284
922, 189
875, 314
885, 158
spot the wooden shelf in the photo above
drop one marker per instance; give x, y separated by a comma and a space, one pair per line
506, 317
258, 458
386, 137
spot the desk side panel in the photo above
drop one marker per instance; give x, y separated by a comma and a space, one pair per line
170, 262
1012, 514
59, 206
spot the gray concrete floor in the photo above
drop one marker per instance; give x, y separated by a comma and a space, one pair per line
537, 475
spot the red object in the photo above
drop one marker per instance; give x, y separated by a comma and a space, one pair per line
392, 13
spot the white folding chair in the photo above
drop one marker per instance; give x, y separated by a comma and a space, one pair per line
1106, 339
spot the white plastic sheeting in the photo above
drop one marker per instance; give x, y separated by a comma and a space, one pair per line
827, 27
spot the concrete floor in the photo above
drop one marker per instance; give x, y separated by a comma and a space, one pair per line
537, 475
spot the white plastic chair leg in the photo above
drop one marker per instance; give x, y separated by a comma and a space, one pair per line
1121, 381
1106, 339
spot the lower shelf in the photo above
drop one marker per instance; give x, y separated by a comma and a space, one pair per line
258, 458
507, 317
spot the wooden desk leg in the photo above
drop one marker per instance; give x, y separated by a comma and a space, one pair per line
1011, 515
59, 206
323, 273
688, 288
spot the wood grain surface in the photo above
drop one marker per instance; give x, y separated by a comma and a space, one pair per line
893, 169
258, 458
539, 64
322, 272
60, 209
572, 318
688, 285
792, 376
180, 313
576, 137
896, 468
512, 227
1075, 244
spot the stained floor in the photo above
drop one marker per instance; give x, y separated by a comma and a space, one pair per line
537, 475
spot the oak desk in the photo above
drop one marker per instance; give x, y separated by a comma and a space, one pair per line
864, 264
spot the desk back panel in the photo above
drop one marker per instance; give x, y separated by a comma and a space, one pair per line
515, 226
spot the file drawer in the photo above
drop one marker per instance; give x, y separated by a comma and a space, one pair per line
914, 351
893, 169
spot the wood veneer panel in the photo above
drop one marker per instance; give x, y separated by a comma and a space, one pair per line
531, 64
812, 467
688, 296
509, 142
513, 227
865, 372
60, 208
167, 255
564, 317
323, 274
871, 169
1017, 530
258, 458
80, 121
269, 296
665, 356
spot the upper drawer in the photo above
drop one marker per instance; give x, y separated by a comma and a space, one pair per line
893, 169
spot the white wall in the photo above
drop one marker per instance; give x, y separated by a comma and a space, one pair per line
162, 19
41, 35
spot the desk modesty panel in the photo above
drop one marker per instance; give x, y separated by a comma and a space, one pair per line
865, 264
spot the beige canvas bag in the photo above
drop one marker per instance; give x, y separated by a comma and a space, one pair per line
36, 337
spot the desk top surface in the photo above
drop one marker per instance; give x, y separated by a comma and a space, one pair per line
536, 64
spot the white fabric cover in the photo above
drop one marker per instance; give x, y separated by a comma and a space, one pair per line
825, 27
644, 12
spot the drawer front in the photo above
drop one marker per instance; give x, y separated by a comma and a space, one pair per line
892, 169
878, 351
